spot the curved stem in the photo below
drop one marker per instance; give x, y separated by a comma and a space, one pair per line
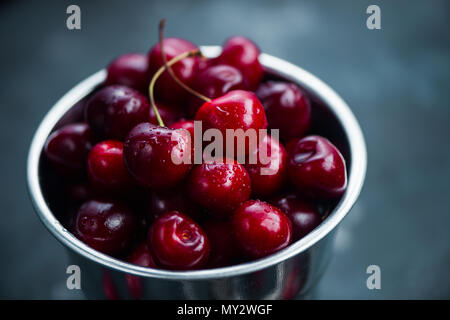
162, 23
151, 87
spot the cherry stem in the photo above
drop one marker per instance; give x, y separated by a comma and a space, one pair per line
151, 87
162, 23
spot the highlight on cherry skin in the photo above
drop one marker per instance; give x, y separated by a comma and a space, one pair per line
153, 177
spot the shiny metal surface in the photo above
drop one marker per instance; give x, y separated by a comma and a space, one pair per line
286, 274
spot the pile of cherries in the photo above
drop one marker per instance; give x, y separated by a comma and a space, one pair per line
135, 203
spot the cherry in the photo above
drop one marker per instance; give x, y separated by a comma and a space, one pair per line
175, 199
167, 89
67, 148
186, 125
79, 192
304, 215
177, 242
317, 168
236, 109
130, 70
141, 256
219, 186
242, 54
214, 82
261, 229
106, 169
268, 177
154, 155
223, 248
105, 225
114, 110
287, 108
169, 114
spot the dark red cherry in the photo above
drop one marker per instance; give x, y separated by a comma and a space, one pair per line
174, 199
106, 168
186, 125
317, 168
287, 108
114, 110
169, 114
236, 109
142, 257
106, 226
219, 186
157, 157
269, 173
131, 70
261, 229
79, 192
177, 242
221, 239
214, 82
166, 88
304, 215
67, 148
242, 54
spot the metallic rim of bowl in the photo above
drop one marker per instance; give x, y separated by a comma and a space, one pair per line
333, 101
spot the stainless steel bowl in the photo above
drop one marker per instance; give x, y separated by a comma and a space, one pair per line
289, 273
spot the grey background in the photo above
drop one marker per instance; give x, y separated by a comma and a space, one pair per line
396, 80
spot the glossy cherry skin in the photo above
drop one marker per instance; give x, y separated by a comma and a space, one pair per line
219, 186
269, 174
68, 147
166, 88
287, 108
114, 110
317, 168
221, 239
106, 168
131, 70
214, 82
242, 54
303, 214
177, 242
140, 256
261, 229
236, 109
186, 125
174, 199
169, 114
107, 226
155, 156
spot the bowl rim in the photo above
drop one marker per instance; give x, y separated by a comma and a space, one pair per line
317, 87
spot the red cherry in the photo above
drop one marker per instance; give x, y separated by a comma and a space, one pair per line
177, 242
220, 187
174, 199
106, 169
167, 89
154, 155
79, 192
261, 229
221, 239
237, 109
169, 114
141, 256
214, 82
106, 226
131, 70
186, 125
268, 177
287, 108
114, 110
67, 148
242, 54
304, 215
317, 168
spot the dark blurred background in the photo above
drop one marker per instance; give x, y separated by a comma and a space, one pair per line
396, 80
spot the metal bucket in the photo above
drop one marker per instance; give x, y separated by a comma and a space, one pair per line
290, 273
